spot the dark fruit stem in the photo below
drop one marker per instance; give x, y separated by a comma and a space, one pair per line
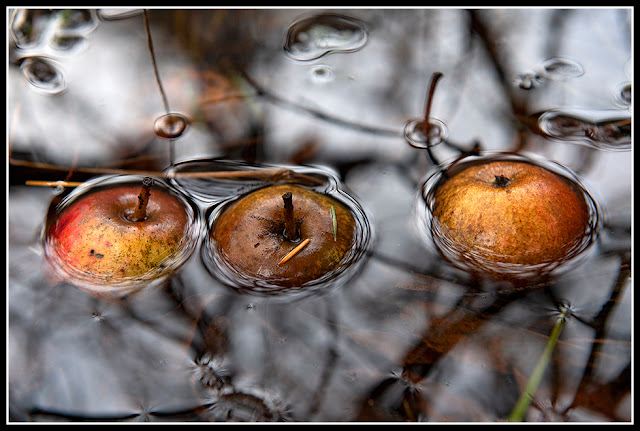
501, 181
289, 221
427, 112
140, 213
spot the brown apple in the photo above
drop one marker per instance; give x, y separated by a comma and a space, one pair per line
255, 233
508, 216
117, 234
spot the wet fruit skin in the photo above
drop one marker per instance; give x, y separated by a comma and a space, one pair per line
249, 235
511, 212
95, 238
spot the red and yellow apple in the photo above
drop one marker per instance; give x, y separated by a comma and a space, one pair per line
101, 238
252, 237
508, 215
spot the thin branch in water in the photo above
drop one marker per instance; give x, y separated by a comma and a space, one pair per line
165, 101
435, 77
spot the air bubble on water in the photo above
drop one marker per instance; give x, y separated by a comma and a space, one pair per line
606, 130
415, 135
68, 43
321, 74
171, 125
555, 69
44, 75
528, 81
561, 68
27, 26
312, 37
60, 28
78, 20
623, 95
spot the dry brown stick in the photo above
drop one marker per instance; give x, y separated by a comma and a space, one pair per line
294, 251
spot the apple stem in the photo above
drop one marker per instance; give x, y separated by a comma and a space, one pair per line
289, 220
140, 213
501, 181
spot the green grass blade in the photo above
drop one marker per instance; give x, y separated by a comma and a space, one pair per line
522, 406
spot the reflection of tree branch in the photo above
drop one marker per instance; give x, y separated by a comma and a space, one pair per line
329, 363
319, 114
619, 387
480, 28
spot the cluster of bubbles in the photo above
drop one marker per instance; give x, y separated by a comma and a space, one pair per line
43, 36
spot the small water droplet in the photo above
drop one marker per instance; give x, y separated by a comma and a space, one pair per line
561, 68
97, 317
321, 74
528, 81
43, 74
415, 135
171, 125
623, 96
318, 35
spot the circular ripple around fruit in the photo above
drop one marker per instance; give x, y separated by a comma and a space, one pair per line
526, 249
93, 243
246, 256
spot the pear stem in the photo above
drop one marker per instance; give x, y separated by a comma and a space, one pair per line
140, 213
289, 220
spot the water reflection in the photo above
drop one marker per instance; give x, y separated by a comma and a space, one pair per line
409, 337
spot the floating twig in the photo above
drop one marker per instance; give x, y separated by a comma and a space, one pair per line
294, 251
54, 183
269, 174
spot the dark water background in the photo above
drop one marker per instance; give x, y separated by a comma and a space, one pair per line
409, 338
